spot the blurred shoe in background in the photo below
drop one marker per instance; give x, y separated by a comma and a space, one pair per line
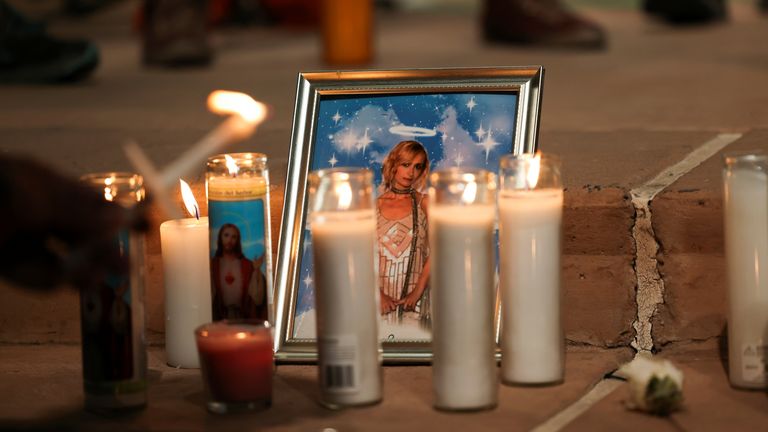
28, 54
544, 23
175, 33
687, 11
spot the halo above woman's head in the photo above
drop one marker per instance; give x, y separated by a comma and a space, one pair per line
404, 150
412, 131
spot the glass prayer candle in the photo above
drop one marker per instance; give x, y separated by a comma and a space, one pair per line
236, 362
343, 226
347, 31
462, 212
745, 206
112, 313
241, 247
530, 218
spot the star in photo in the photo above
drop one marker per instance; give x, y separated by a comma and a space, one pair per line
459, 159
480, 132
308, 281
347, 141
364, 142
336, 117
471, 104
488, 144
333, 161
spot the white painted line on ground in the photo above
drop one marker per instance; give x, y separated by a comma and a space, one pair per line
689, 162
561, 419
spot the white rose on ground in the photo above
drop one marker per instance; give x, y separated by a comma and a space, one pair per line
655, 385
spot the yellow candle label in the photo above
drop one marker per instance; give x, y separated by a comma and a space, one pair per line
234, 190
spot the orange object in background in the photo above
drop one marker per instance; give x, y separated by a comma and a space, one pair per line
347, 31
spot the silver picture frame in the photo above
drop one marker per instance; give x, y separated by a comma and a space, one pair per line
314, 89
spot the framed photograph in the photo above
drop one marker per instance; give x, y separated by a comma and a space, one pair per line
418, 120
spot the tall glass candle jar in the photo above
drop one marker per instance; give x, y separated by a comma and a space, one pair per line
530, 219
347, 31
241, 247
745, 180
462, 212
112, 314
343, 226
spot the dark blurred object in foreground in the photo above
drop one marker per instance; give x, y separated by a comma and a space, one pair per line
56, 230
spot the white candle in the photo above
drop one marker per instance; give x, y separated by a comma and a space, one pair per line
186, 259
347, 312
462, 283
746, 248
246, 115
532, 342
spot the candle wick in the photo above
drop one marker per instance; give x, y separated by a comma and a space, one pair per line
197, 212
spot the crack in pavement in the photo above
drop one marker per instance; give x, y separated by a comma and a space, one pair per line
650, 285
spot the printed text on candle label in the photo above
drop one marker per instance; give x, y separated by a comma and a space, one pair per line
753, 367
339, 373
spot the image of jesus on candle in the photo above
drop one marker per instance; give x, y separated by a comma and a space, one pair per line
401, 225
238, 284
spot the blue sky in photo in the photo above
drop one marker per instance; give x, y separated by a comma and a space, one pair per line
457, 129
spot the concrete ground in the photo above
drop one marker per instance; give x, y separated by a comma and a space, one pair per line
640, 128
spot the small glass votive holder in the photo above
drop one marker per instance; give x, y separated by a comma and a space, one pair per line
236, 362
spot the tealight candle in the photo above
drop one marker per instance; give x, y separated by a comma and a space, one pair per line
530, 217
236, 362
746, 254
343, 227
184, 245
461, 218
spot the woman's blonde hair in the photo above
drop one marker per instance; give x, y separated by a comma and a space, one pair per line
404, 150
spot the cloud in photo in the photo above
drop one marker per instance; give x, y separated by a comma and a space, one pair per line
377, 121
458, 145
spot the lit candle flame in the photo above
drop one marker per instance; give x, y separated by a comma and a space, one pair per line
231, 165
344, 192
229, 102
470, 192
241, 335
534, 167
189, 199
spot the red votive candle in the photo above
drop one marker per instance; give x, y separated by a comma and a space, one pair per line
236, 364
